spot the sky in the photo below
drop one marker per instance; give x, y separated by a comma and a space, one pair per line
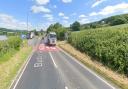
14, 14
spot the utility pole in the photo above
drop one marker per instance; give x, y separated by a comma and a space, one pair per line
27, 20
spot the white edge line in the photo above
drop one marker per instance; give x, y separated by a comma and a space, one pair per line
52, 59
66, 87
84, 66
21, 72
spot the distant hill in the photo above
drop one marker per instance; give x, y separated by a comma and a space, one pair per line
10, 30
5, 31
110, 21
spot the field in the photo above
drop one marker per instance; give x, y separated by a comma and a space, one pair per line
108, 45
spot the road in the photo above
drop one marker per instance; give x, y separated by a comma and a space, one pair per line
52, 68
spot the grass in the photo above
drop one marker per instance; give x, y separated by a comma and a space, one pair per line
10, 67
7, 56
112, 76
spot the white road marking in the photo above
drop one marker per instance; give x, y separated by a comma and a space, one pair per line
38, 65
52, 59
47, 47
22, 73
66, 87
74, 59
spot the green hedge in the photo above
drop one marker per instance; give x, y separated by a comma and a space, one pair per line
12, 43
109, 45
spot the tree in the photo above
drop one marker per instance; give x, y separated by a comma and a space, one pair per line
75, 26
50, 28
59, 29
118, 21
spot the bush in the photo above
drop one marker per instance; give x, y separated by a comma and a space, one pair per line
13, 43
109, 45
59, 29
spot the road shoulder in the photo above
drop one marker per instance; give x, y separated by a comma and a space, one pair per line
105, 72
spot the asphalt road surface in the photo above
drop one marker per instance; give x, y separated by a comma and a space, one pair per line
52, 68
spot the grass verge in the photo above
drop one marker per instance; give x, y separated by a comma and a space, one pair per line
108, 74
9, 68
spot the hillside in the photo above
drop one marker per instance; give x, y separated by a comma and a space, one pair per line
110, 21
4, 31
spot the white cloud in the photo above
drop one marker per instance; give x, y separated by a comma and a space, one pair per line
125, 11
65, 17
67, 1
93, 14
7, 21
38, 9
97, 3
112, 9
82, 16
49, 17
84, 20
55, 6
61, 14
42, 2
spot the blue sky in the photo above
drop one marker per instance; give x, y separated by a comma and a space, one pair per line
42, 13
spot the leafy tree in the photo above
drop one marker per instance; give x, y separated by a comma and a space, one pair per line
118, 21
75, 26
59, 29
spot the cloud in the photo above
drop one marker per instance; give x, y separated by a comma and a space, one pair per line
66, 1
7, 21
39, 9
98, 2
49, 17
93, 14
65, 17
55, 6
82, 16
61, 14
111, 9
84, 20
125, 11
42, 2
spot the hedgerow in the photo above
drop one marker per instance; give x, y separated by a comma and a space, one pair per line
12, 43
108, 45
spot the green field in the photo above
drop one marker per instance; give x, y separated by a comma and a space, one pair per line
108, 45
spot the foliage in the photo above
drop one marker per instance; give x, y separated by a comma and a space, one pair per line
59, 29
109, 45
75, 26
12, 43
11, 32
110, 21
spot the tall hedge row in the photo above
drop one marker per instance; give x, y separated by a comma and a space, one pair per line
108, 45
9, 44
